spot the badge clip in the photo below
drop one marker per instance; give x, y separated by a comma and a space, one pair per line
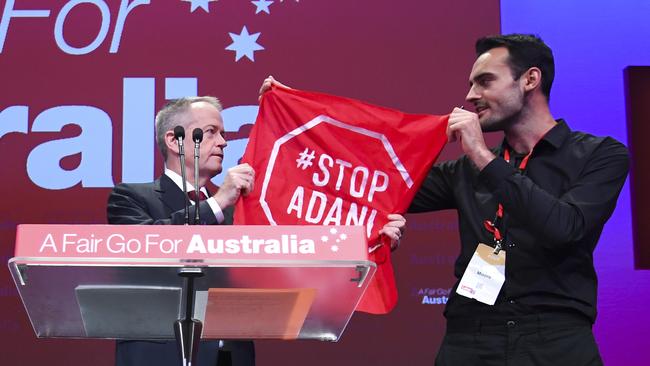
498, 247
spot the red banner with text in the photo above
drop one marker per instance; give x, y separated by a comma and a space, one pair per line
326, 160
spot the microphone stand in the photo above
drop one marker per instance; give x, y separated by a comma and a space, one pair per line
197, 136
188, 330
179, 135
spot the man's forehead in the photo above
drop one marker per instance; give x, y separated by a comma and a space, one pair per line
202, 104
203, 113
190, 122
490, 61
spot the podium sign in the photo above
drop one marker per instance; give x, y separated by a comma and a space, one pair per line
258, 282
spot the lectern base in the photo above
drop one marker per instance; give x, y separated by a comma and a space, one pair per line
188, 330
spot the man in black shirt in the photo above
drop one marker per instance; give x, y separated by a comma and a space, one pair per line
542, 198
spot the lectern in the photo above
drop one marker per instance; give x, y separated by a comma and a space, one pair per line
231, 282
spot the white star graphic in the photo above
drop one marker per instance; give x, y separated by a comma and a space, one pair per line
262, 6
333, 231
244, 44
343, 236
324, 239
335, 248
203, 4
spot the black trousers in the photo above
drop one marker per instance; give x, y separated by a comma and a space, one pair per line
555, 339
143, 353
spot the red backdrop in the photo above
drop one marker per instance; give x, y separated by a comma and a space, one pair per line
60, 65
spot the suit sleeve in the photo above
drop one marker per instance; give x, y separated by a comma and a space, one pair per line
128, 207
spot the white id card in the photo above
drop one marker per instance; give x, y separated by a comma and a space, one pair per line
484, 276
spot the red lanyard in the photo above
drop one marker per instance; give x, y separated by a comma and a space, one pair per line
491, 226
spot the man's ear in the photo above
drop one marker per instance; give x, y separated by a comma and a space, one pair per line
532, 79
170, 141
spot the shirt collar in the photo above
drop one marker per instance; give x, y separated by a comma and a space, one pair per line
554, 137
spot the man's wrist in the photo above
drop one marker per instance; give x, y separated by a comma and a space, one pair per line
482, 157
220, 200
216, 209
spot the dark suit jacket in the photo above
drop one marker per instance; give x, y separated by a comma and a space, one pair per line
158, 203
163, 203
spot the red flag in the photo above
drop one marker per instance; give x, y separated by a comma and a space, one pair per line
327, 160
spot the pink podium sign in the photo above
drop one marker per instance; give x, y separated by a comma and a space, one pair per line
192, 242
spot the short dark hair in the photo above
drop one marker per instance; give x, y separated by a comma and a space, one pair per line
525, 51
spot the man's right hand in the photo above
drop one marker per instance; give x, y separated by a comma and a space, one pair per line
238, 181
465, 127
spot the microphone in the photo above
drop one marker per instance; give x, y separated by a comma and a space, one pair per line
197, 136
179, 136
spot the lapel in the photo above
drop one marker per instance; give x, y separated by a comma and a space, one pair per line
171, 196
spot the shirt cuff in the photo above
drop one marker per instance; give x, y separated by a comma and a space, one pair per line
495, 173
216, 209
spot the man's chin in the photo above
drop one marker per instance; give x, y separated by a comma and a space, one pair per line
213, 171
489, 126
492, 125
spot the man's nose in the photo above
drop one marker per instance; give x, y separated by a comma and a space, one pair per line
472, 95
221, 141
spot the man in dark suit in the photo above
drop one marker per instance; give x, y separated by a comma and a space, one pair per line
162, 202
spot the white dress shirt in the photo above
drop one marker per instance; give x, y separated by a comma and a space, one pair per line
178, 180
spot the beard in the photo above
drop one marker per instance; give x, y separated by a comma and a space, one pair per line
507, 115
499, 123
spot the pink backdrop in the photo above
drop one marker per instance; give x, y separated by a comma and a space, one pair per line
93, 79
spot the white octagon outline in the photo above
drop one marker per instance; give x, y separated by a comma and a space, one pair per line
311, 124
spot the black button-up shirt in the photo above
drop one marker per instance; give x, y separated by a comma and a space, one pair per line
555, 211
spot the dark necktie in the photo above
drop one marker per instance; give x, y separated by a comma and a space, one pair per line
192, 196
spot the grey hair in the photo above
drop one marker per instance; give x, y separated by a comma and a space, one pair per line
167, 117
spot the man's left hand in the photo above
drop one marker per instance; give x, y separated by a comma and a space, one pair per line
266, 85
238, 181
394, 229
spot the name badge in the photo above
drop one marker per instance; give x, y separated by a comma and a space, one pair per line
484, 276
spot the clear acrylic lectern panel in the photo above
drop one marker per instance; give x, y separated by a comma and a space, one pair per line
141, 298
149, 298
